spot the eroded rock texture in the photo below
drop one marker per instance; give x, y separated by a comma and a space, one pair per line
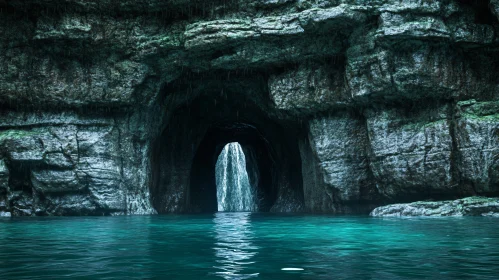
121, 107
470, 206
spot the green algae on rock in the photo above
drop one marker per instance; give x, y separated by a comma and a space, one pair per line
113, 107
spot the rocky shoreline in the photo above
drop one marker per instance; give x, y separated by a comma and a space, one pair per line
470, 206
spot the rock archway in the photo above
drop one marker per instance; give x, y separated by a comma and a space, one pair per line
186, 152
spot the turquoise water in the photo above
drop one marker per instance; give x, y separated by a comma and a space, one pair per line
246, 246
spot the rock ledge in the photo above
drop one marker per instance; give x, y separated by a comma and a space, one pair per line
470, 206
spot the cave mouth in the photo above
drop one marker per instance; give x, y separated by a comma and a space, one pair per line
236, 149
185, 156
194, 132
235, 193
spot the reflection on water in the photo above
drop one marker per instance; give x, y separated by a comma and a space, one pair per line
233, 247
243, 245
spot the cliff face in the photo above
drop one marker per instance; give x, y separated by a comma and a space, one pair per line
121, 107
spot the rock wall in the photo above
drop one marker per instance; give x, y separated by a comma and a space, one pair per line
104, 104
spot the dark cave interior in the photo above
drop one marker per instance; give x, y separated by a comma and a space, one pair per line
186, 152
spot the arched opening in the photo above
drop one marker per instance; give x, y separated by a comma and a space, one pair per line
260, 159
235, 193
184, 156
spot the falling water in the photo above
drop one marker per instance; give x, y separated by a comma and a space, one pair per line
234, 192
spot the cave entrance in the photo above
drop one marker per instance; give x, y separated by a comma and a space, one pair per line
235, 193
196, 129
230, 142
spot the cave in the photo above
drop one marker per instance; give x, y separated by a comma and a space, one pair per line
273, 139
123, 108
186, 152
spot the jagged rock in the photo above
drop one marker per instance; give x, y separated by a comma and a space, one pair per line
4, 186
48, 181
262, 41
477, 128
52, 147
338, 146
4, 214
224, 33
99, 166
70, 155
106, 105
4, 177
424, 72
309, 89
411, 152
22, 203
67, 204
471, 206
411, 6
261, 54
71, 84
470, 34
405, 26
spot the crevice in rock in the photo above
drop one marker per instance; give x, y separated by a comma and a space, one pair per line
464, 187
20, 195
483, 14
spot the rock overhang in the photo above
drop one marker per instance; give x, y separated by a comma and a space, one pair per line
88, 88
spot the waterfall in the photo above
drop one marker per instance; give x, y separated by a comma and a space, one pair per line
234, 192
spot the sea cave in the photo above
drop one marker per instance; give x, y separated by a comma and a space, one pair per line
231, 139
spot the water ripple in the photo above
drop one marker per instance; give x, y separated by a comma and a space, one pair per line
248, 245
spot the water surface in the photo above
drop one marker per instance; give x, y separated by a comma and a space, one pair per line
249, 246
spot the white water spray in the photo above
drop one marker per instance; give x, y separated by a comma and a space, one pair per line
234, 192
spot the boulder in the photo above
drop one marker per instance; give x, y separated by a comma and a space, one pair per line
470, 206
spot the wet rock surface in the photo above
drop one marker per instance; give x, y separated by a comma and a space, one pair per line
410, 153
471, 206
106, 107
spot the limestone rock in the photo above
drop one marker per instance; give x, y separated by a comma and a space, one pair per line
410, 6
411, 152
4, 214
99, 165
466, 32
338, 146
368, 67
67, 204
4, 186
243, 33
51, 147
4, 177
402, 27
425, 72
105, 104
308, 89
471, 206
22, 203
477, 129
221, 31
47, 181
